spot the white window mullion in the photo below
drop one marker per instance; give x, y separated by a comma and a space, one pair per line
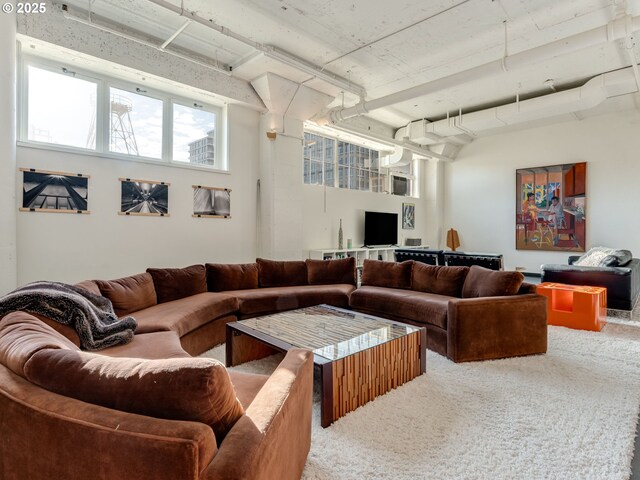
167, 130
103, 120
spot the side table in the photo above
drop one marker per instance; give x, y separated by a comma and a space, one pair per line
579, 307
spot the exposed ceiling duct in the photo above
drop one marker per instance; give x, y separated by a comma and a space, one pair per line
591, 94
399, 158
285, 97
617, 29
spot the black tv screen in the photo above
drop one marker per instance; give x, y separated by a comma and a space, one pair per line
380, 228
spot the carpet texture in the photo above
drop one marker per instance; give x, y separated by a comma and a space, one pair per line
569, 414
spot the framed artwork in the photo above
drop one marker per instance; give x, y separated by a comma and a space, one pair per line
551, 208
211, 202
408, 216
54, 192
144, 197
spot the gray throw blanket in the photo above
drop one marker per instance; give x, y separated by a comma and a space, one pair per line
91, 315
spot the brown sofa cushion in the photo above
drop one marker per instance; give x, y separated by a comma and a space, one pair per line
193, 389
149, 346
176, 283
327, 272
438, 279
387, 274
262, 301
241, 276
272, 273
482, 282
186, 314
418, 307
89, 285
22, 335
129, 294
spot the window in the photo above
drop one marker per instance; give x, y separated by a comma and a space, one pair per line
319, 159
135, 124
62, 108
357, 167
90, 111
194, 135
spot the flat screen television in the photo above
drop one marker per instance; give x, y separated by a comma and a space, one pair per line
380, 228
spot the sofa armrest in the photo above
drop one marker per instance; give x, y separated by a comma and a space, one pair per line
496, 327
82, 440
557, 268
573, 259
273, 438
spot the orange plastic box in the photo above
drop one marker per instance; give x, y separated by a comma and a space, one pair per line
583, 308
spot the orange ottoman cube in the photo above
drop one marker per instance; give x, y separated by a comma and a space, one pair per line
582, 308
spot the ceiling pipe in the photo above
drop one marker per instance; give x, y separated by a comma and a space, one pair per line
268, 50
591, 94
175, 34
91, 23
407, 145
614, 30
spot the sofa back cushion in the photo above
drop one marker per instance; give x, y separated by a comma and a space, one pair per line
288, 273
222, 277
90, 286
129, 294
482, 282
378, 273
22, 335
438, 279
192, 389
331, 272
176, 283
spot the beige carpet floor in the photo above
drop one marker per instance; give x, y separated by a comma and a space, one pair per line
568, 414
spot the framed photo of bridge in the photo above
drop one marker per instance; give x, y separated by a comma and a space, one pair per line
211, 202
54, 192
144, 197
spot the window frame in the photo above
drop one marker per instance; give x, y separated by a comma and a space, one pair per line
104, 83
413, 177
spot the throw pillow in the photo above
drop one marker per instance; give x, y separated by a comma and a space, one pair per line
272, 273
440, 280
617, 259
482, 282
129, 294
191, 389
222, 277
176, 283
378, 273
594, 257
331, 272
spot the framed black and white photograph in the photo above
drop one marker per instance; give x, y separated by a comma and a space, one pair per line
56, 192
408, 216
211, 202
144, 197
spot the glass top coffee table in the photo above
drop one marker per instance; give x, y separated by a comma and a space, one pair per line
359, 356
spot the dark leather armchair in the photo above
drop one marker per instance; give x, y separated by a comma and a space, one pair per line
622, 283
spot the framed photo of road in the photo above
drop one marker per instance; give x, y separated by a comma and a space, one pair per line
144, 197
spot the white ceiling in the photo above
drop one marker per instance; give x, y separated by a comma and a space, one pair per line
389, 46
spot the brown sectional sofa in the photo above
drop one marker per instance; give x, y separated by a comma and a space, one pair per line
147, 409
470, 313
66, 413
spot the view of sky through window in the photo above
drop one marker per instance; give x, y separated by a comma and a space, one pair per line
62, 109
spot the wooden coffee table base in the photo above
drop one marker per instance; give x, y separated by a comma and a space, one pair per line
348, 382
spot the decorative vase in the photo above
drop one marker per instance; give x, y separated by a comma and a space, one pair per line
340, 237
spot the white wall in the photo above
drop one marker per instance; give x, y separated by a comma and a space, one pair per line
480, 185
321, 225
103, 244
8, 261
